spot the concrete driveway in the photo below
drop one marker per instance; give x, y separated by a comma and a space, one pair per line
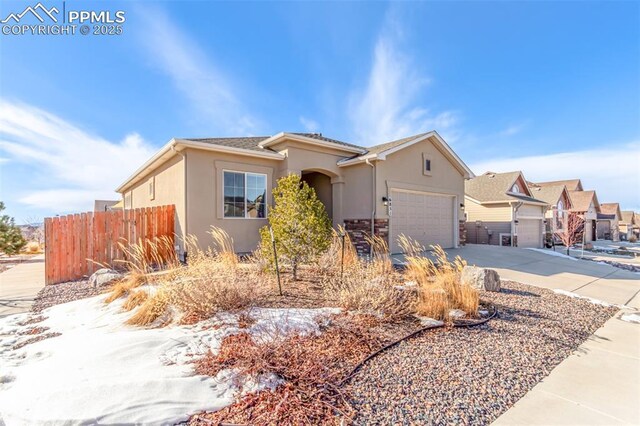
587, 278
20, 285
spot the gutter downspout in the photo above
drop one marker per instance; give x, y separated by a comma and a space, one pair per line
184, 233
515, 206
373, 202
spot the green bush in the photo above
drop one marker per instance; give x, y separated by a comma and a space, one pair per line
300, 224
11, 239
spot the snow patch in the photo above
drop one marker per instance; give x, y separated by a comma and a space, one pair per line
102, 371
634, 317
551, 253
427, 321
590, 299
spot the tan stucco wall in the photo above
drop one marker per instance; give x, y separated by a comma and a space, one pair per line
200, 205
169, 189
357, 190
404, 170
205, 206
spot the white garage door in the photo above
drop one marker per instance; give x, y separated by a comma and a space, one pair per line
424, 217
530, 233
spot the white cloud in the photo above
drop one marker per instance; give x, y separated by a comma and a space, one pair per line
208, 90
613, 171
309, 125
388, 108
512, 130
82, 166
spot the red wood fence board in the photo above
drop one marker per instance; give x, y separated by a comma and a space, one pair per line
77, 245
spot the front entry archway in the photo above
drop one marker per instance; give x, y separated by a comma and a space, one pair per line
321, 183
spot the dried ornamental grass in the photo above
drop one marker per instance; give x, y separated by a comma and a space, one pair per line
440, 288
135, 299
332, 260
122, 287
149, 254
151, 309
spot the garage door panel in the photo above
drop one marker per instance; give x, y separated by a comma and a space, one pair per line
529, 233
427, 218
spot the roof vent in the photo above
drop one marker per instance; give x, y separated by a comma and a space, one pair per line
317, 134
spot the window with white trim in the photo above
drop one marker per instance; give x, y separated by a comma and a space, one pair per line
515, 188
244, 195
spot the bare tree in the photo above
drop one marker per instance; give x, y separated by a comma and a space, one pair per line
572, 230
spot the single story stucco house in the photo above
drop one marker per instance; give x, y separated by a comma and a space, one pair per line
608, 222
412, 186
501, 210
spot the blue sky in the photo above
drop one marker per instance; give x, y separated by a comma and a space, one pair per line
552, 89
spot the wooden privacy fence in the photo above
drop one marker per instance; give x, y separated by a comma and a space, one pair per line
77, 244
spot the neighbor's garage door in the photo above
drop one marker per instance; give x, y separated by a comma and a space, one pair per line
530, 233
424, 217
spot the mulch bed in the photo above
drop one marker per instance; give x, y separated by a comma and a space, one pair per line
471, 376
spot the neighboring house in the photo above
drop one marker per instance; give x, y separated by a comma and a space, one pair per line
557, 196
570, 184
105, 205
412, 186
585, 204
627, 224
608, 222
501, 210
636, 225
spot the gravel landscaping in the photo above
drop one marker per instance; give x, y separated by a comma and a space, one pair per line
471, 376
56, 294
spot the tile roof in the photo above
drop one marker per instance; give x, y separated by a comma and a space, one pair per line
581, 200
493, 187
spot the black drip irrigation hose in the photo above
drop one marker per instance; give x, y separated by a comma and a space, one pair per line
467, 324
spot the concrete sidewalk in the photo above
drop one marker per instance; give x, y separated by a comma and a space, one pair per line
20, 285
598, 385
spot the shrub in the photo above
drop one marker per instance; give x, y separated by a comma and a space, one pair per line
300, 224
33, 247
11, 239
633, 239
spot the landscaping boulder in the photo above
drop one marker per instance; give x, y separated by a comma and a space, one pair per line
104, 276
481, 278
